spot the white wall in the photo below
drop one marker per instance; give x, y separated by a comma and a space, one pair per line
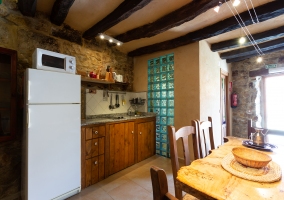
210, 65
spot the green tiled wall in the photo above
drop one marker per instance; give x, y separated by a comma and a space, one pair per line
161, 98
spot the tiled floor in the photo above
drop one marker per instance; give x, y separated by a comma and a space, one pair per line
133, 183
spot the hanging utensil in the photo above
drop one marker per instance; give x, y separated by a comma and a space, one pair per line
110, 105
123, 100
118, 101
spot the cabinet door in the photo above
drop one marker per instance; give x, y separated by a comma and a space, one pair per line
129, 144
88, 172
151, 135
95, 170
88, 149
141, 129
101, 145
101, 167
117, 151
146, 141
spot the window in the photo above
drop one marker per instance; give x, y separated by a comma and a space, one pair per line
274, 102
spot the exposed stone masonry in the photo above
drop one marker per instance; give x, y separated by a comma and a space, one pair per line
24, 34
249, 93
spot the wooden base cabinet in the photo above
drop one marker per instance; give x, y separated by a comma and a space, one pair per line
112, 147
92, 155
121, 146
129, 142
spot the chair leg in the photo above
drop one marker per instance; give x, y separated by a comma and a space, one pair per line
178, 193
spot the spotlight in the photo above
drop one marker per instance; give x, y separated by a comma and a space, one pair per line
236, 3
110, 39
242, 40
217, 8
259, 59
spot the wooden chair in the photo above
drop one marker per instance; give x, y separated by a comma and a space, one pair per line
205, 138
184, 134
160, 184
252, 130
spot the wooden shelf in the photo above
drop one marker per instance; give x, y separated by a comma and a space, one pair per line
93, 80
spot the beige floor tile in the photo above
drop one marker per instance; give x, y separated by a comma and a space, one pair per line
132, 183
143, 179
131, 191
112, 182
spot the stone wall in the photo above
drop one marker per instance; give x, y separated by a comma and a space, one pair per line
249, 94
24, 34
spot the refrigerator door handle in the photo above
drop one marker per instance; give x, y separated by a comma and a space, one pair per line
29, 90
28, 118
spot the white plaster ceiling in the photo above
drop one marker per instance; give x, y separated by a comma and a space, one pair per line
85, 13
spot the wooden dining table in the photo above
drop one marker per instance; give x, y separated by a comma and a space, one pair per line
207, 179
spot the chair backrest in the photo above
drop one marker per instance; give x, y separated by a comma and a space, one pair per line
174, 135
252, 130
160, 184
205, 137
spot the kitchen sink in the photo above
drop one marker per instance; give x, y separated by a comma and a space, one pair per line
117, 117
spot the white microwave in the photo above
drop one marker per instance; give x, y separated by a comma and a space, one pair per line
52, 61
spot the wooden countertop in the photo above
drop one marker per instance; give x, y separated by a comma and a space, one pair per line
206, 179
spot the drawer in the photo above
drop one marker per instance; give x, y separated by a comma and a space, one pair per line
94, 147
94, 170
99, 131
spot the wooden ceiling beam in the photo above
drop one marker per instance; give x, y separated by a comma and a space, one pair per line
266, 51
258, 38
27, 7
173, 19
122, 12
60, 10
264, 12
251, 50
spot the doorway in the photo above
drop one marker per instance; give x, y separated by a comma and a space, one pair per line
224, 107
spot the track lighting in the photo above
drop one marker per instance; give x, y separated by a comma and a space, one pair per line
110, 39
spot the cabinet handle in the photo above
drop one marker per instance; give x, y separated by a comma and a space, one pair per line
96, 132
96, 143
96, 162
132, 132
140, 133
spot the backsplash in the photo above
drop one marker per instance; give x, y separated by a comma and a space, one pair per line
95, 104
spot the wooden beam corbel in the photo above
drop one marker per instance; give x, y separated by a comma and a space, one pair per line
265, 12
60, 10
27, 7
122, 12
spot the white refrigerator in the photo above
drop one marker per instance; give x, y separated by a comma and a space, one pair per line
51, 142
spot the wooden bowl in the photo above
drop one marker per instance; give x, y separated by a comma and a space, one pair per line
250, 157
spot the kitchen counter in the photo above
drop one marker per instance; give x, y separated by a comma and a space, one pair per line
98, 119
